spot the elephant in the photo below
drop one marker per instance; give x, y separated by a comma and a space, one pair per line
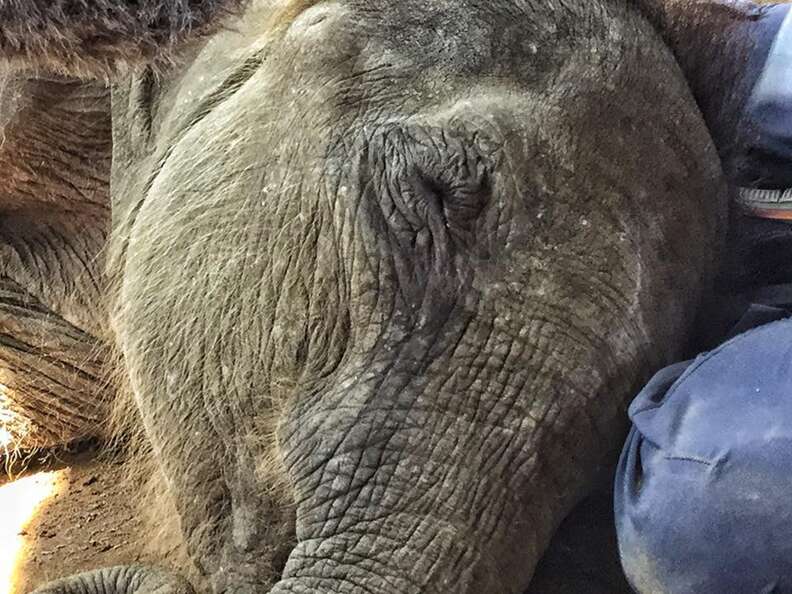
382, 276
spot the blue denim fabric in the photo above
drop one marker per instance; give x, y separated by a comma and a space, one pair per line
703, 492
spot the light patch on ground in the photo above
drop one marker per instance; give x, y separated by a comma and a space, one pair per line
19, 502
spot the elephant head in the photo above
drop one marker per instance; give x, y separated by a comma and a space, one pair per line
387, 272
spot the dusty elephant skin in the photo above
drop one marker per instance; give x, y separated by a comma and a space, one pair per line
55, 144
388, 272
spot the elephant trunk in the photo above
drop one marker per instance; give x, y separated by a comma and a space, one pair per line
369, 560
127, 579
432, 530
418, 489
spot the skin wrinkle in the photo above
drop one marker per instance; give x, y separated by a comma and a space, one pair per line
53, 229
55, 375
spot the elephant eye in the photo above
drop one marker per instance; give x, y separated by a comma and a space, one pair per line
428, 185
456, 189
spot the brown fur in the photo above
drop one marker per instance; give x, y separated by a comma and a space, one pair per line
103, 37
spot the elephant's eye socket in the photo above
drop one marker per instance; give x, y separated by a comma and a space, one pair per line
457, 200
426, 185
436, 176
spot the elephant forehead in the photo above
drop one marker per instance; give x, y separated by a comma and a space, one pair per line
430, 42
255, 102
371, 59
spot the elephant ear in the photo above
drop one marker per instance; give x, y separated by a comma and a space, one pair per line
101, 37
55, 152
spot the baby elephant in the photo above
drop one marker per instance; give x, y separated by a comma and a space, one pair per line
384, 274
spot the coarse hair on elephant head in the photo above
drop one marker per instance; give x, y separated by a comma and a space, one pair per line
385, 273
105, 38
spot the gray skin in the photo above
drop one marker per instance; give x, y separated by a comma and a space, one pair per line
385, 274
55, 217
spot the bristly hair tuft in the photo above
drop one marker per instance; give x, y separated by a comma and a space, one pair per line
100, 38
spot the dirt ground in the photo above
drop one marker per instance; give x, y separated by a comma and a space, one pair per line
88, 520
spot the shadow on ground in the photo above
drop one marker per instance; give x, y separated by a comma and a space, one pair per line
90, 521
583, 557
